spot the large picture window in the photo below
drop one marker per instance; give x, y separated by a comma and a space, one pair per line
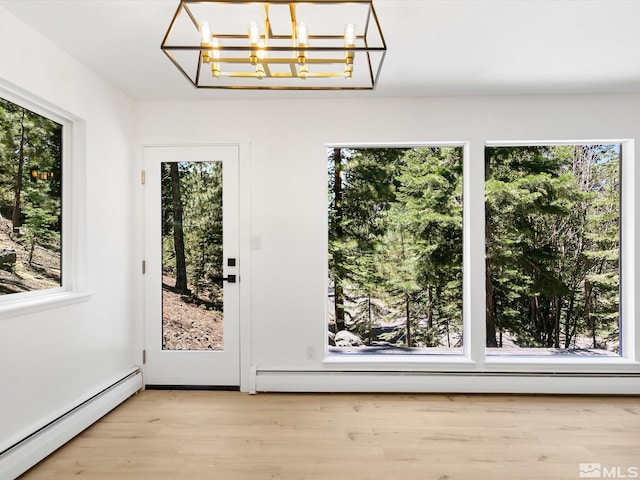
552, 237
537, 267
30, 200
395, 250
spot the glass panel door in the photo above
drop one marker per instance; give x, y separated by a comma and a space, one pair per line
191, 279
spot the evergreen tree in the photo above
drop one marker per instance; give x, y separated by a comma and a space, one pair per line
429, 207
192, 213
544, 211
31, 188
202, 187
29, 143
361, 189
397, 250
552, 245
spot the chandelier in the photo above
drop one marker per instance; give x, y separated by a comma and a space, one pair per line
319, 45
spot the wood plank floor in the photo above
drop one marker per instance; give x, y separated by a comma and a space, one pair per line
230, 435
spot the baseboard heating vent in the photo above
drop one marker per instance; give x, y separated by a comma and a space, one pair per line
387, 381
20, 457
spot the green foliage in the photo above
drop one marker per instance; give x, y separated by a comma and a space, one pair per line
35, 141
41, 214
395, 243
552, 243
201, 195
31, 144
552, 239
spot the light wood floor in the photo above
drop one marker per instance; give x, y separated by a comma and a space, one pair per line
229, 435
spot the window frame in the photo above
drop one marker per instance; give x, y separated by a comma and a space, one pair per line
73, 287
474, 357
629, 338
459, 360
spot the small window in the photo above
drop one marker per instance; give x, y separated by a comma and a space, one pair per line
395, 250
30, 200
552, 236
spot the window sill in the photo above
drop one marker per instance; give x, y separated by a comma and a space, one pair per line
503, 365
40, 303
575, 363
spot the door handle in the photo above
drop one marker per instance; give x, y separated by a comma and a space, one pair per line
230, 279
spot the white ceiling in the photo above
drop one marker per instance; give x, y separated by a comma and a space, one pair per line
435, 47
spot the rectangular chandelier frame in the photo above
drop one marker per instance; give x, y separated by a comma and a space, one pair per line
277, 44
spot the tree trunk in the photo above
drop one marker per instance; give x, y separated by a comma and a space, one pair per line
431, 337
370, 314
588, 291
570, 324
338, 234
534, 315
178, 232
556, 323
491, 320
430, 308
339, 307
408, 325
16, 218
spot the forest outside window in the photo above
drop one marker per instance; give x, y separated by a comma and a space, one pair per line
30, 201
552, 238
395, 250
551, 274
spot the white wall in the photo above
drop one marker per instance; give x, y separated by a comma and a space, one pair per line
288, 194
51, 361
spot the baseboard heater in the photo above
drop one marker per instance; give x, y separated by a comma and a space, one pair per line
386, 381
20, 457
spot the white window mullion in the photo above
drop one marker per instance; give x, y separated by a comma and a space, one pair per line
474, 305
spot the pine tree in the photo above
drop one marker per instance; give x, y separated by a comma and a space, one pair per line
429, 207
545, 208
202, 204
361, 190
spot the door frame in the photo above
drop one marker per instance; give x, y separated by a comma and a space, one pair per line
244, 270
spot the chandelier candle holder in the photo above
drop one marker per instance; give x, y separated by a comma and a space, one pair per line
277, 45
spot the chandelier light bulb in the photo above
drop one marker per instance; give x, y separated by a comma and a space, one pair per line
205, 33
215, 53
350, 35
303, 35
260, 73
254, 33
350, 42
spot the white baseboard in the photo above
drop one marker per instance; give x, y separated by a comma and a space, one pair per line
413, 382
36, 447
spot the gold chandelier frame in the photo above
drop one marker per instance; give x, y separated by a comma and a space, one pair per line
279, 51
